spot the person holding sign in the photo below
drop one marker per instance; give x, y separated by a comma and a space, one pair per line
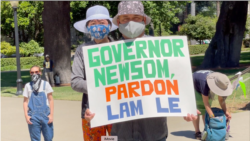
206, 84
131, 20
98, 24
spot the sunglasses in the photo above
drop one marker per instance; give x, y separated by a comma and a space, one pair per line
32, 72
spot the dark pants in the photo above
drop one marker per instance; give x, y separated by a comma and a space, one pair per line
163, 139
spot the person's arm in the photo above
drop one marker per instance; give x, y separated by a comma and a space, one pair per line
207, 105
224, 107
25, 108
78, 81
51, 105
43, 64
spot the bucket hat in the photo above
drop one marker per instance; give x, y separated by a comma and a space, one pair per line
219, 84
131, 7
94, 12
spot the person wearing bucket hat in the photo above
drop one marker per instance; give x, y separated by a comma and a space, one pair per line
98, 23
206, 84
131, 20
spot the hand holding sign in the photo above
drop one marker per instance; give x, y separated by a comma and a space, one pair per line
89, 115
191, 117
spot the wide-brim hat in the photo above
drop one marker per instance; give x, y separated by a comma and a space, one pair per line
95, 12
131, 7
219, 84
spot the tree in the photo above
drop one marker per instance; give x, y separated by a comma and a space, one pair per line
56, 21
29, 20
225, 47
198, 27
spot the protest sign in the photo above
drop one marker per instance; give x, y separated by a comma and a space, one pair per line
141, 78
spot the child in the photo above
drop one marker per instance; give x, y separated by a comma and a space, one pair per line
37, 99
206, 84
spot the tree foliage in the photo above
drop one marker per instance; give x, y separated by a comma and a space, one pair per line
198, 27
8, 49
31, 48
29, 20
247, 31
206, 8
6, 19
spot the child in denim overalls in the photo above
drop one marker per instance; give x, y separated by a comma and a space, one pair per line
37, 99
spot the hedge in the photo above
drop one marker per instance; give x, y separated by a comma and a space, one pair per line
201, 49
24, 61
198, 49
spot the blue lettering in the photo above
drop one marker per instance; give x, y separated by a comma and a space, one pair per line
173, 107
159, 108
137, 109
110, 116
122, 110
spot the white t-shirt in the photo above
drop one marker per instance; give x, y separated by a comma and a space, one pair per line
27, 90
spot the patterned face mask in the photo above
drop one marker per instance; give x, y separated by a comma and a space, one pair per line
36, 79
99, 31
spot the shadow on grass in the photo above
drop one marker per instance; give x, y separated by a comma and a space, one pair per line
9, 92
8, 79
245, 58
5, 88
196, 61
247, 107
187, 134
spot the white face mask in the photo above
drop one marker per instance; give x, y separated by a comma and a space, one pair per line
132, 29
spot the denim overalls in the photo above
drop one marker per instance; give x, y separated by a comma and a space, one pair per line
39, 111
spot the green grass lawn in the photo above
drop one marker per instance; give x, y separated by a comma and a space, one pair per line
237, 102
197, 60
8, 87
60, 93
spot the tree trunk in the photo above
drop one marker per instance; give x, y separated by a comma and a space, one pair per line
159, 29
225, 47
217, 8
56, 22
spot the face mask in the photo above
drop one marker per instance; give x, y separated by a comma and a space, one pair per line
132, 29
99, 31
36, 79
